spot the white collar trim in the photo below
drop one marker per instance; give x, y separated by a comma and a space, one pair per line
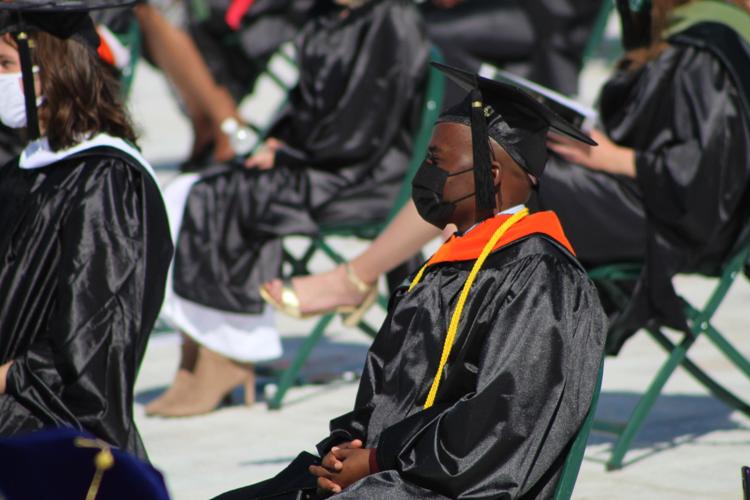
38, 153
509, 211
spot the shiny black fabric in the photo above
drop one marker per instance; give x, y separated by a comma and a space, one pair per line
85, 249
10, 144
687, 119
517, 386
540, 39
348, 131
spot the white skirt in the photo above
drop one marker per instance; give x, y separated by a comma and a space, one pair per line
247, 338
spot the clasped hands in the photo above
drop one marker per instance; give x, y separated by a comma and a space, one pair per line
343, 465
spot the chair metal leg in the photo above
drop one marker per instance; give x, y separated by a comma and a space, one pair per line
290, 374
725, 347
702, 377
646, 402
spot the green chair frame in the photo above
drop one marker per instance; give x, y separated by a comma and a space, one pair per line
699, 322
368, 231
132, 40
596, 37
573, 461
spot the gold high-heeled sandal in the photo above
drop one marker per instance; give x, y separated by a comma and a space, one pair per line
370, 290
351, 315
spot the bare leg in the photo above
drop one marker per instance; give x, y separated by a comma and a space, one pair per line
176, 55
403, 237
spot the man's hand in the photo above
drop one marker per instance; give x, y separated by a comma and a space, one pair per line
606, 157
265, 157
342, 466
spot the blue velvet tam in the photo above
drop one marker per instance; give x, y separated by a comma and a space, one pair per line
68, 464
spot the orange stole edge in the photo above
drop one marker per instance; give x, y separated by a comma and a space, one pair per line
468, 247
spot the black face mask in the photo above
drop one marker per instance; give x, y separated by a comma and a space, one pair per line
427, 193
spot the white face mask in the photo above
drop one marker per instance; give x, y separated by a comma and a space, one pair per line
12, 103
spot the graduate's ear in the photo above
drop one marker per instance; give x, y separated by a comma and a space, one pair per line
497, 172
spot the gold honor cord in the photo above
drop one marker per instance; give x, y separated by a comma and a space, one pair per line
103, 460
453, 327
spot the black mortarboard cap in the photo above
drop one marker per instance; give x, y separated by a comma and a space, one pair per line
516, 120
61, 18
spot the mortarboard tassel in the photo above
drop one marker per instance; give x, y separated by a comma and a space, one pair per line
483, 184
27, 71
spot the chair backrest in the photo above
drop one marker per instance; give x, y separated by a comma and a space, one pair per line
431, 104
573, 461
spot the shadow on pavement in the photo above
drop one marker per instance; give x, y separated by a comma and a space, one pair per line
330, 361
673, 421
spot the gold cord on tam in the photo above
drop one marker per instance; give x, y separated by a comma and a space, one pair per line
103, 460
453, 327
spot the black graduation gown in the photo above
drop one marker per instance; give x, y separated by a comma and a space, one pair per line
10, 144
542, 40
688, 119
516, 389
348, 131
85, 249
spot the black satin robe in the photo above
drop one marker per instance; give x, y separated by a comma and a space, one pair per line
542, 40
85, 249
515, 390
688, 120
348, 130
10, 144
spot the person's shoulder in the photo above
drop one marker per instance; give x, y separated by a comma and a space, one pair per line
102, 171
108, 161
536, 245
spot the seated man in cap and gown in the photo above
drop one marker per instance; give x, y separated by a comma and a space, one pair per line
338, 153
484, 368
668, 183
85, 246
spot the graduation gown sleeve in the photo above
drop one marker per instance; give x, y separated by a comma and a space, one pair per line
81, 366
535, 374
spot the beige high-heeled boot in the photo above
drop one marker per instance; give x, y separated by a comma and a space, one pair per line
181, 383
213, 378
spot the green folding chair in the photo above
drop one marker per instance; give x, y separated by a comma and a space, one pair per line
132, 40
596, 39
611, 279
368, 231
573, 461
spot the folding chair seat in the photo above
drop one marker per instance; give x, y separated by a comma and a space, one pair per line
612, 279
320, 243
573, 461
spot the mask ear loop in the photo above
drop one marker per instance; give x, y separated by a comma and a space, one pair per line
27, 73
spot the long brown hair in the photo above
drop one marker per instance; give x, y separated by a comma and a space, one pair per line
661, 11
82, 96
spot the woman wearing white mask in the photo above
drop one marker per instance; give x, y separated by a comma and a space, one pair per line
84, 245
